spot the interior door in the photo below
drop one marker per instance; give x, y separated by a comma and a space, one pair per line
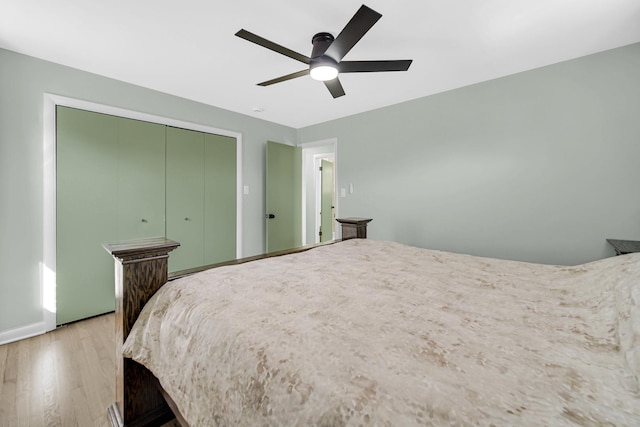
326, 201
185, 197
283, 196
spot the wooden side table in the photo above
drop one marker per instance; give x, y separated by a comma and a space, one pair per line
623, 247
354, 228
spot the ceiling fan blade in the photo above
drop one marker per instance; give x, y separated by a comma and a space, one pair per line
335, 87
285, 78
244, 34
355, 29
373, 66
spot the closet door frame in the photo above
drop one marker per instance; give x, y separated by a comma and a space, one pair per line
48, 265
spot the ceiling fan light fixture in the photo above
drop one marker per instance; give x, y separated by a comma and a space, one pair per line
323, 69
324, 73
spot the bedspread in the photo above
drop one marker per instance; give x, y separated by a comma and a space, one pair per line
365, 332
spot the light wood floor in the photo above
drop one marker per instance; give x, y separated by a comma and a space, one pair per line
63, 378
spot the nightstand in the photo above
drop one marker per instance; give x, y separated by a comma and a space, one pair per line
624, 246
354, 228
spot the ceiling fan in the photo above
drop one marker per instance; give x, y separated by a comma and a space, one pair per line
326, 61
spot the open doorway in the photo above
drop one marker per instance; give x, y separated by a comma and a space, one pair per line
313, 155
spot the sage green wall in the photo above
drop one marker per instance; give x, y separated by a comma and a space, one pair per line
23, 80
539, 166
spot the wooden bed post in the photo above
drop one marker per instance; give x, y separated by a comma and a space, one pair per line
141, 269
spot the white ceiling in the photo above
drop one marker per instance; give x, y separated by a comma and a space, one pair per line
188, 48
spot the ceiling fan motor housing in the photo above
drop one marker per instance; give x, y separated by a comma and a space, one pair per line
321, 42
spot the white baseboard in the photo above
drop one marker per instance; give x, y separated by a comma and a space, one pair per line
22, 332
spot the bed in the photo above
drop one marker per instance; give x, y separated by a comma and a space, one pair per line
365, 332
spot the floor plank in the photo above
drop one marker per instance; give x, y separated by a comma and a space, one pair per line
63, 378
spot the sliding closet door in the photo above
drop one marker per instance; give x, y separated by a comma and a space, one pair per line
141, 175
220, 199
86, 211
185, 197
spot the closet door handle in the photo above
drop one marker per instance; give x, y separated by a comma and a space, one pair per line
144, 220
270, 216
187, 219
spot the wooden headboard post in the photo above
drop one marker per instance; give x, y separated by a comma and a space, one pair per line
354, 228
141, 269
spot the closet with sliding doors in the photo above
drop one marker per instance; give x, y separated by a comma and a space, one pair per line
118, 179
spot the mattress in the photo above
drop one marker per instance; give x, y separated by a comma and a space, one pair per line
367, 332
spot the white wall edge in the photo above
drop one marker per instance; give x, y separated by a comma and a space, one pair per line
51, 101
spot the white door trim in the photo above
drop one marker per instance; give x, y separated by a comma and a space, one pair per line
48, 267
333, 142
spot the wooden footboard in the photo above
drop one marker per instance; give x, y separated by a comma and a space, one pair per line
141, 268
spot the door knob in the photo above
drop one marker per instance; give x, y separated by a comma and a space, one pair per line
270, 216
